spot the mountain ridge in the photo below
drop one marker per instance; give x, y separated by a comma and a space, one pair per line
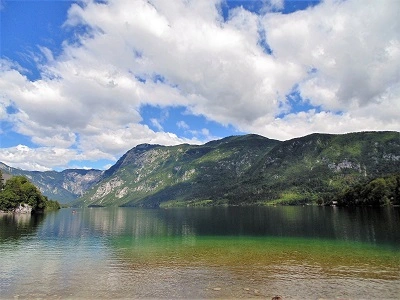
64, 186
247, 170
236, 170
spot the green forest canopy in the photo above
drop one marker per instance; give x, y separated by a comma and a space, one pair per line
19, 190
377, 192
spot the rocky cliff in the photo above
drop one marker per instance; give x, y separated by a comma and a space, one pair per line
63, 186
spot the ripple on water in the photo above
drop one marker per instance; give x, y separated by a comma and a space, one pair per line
127, 254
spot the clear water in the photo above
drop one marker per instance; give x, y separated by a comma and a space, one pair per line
295, 252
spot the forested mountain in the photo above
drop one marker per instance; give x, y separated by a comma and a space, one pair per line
150, 174
318, 166
63, 186
237, 170
243, 170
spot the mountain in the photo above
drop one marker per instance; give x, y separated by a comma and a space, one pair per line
243, 170
150, 174
63, 186
237, 170
377, 192
318, 166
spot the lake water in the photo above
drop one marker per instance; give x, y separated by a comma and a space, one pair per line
295, 252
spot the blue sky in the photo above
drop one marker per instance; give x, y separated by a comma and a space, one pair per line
82, 82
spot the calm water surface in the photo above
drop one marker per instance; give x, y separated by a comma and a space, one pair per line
295, 252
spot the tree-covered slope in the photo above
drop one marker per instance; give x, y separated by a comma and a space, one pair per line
238, 170
319, 165
149, 175
245, 170
63, 186
18, 192
376, 192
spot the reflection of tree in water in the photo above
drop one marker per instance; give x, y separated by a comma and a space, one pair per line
374, 225
367, 225
16, 226
263, 249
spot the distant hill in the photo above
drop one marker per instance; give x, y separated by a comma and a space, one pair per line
246, 170
63, 186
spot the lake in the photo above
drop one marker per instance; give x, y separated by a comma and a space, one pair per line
226, 252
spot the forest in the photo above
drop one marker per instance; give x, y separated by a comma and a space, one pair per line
19, 190
377, 192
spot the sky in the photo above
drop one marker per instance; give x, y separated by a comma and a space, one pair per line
82, 82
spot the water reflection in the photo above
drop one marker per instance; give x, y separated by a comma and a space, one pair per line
359, 224
374, 226
15, 226
370, 225
299, 252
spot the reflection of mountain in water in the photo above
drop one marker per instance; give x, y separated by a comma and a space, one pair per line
16, 226
252, 247
104, 222
300, 252
368, 225
374, 226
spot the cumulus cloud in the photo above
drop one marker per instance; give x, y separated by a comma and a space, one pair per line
341, 57
118, 140
219, 68
91, 148
40, 159
302, 123
352, 47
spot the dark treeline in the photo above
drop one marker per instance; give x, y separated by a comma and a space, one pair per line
377, 192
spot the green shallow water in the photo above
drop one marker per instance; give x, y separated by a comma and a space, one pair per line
298, 253
255, 251
320, 259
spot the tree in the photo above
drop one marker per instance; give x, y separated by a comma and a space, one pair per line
377, 192
7, 200
1, 181
19, 190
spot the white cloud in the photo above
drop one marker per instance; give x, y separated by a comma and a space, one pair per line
39, 159
91, 148
3, 111
342, 56
117, 141
303, 123
107, 166
353, 46
219, 68
182, 124
156, 124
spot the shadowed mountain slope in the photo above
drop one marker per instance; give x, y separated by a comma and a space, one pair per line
244, 170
